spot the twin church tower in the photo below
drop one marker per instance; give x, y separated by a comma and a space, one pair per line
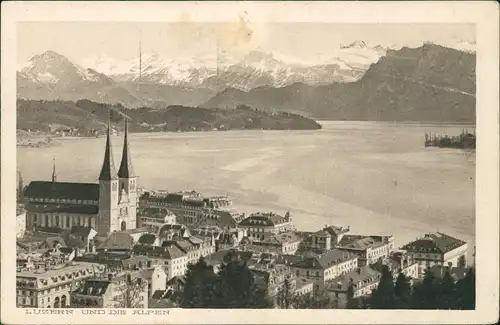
107, 206
117, 191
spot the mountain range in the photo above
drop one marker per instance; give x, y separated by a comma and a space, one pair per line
358, 81
429, 83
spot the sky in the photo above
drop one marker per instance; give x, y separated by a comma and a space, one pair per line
305, 41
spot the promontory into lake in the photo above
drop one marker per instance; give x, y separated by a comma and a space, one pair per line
87, 118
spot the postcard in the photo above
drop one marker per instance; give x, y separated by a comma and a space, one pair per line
250, 162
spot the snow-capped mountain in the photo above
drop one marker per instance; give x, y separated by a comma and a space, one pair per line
465, 46
257, 68
51, 75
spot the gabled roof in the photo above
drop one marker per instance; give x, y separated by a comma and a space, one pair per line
168, 252
147, 239
434, 243
62, 190
262, 219
117, 241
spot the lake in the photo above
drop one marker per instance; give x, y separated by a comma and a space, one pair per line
377, 178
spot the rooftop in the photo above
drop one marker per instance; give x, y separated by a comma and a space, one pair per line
62, 190
325, 260
360, 277
263, 219
434, 243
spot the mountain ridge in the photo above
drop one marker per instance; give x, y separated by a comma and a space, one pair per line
431, 82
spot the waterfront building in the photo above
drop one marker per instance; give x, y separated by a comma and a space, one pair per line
363, 280
107, 206
190, 207
155, 218
437, 249
370, 249
262, 226
122, 290
325, 267
47, 283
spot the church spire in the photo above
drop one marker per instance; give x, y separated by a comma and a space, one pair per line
108, 171
54, 176
126, 170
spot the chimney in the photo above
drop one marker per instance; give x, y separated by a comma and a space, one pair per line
110, 276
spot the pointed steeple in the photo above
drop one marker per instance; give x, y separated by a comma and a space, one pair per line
54, 176
108, 171
126, 170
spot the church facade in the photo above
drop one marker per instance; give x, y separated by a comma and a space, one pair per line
107, 206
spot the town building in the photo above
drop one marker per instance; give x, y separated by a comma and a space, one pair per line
325, 267
174, 255
189, 207
123, 290
437, 249
262, 226
363, 280
220, 218
155, 218
107, 206
324, 239
370, 249
400, 262
47, 283
282, 243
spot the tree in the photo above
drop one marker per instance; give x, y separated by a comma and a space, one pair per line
426, 294
447, 291
200, 288
310, 301
466, 291
286, 297
236, 287
461, 261
131, 290
402, 291
383, 297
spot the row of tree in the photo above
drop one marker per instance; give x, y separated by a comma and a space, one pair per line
432, 293
235, 286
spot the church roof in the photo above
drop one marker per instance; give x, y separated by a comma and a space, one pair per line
63, 208
126, 170
62, 190
108, 171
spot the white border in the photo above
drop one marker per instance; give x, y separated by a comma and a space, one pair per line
483, 14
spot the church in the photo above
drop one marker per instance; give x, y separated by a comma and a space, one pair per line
107, 206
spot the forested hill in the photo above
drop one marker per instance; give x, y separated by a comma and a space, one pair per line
85, 117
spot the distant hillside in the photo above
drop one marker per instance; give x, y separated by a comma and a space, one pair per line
429, 83
86, 117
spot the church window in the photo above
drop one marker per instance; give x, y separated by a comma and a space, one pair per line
67, 222
57, 221
46, 220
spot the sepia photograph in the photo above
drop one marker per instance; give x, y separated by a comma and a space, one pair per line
204, 163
